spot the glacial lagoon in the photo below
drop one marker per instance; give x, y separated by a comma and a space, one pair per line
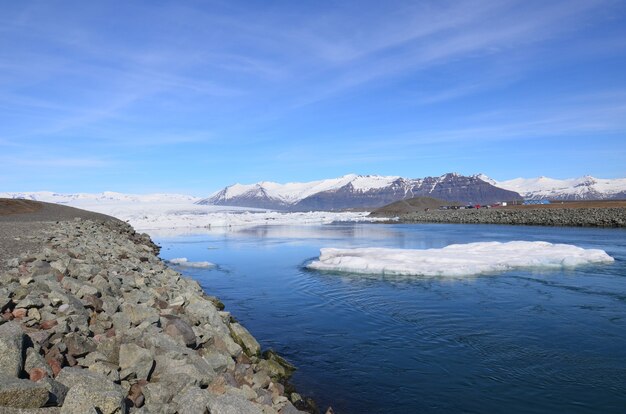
525, 340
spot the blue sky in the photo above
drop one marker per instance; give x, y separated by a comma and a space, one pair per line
171, 96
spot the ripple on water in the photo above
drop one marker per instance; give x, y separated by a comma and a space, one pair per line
522, 341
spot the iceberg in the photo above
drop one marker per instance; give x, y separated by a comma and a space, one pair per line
183, 262
458, 259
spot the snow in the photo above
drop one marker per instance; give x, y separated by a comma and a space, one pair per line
170, 215
458, 260
292, 193
577, 188
183, 262
107, 196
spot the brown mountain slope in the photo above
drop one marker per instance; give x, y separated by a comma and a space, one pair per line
411, 205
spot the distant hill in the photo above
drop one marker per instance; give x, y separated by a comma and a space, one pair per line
411, 205
358, 191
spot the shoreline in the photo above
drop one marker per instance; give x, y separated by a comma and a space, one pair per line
558, 217
93, 320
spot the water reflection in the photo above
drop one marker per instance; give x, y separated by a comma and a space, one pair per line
521, 341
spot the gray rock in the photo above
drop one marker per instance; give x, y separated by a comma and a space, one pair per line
140, 313
193, 400
35, 360
79, 345
232, 404
11, 349
179, 330
57, 391
21, 393
158, 394
106, 398
111, 371
245, 339
136, 360
46, 410
70, 376
193, 366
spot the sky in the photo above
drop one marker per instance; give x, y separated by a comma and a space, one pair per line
191, 96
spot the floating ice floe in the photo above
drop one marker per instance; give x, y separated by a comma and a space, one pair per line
182, 261
458, 259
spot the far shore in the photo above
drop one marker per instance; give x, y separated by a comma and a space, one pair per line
560, 215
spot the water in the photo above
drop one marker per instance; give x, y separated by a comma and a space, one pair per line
523, 341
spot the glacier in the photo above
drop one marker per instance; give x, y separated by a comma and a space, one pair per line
581, 188
169, 215
457, 260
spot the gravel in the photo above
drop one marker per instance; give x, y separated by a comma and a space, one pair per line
574, 217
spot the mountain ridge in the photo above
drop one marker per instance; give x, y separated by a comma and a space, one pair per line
358, 191
570, 189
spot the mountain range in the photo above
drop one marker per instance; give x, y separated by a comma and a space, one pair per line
359, 192
582, 188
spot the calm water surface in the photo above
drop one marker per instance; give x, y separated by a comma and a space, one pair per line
523, 341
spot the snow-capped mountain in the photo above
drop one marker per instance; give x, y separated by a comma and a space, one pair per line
105, 197
582, 188
358, 191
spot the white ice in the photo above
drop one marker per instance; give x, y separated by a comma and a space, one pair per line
458, 259
182, 261
169, 215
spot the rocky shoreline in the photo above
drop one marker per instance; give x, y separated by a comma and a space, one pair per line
574, 217
96, 323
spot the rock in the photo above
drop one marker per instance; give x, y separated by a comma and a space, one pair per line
192, 365
273, 356
29, 302
57, 391
140, 313
21, 393
232, 404
131, 330
193, 400
245, 339
288, 408
70, 376
46, 410
179, 330
35, 361
20, 313
11, 349
273, 368
159, 394
135, 393
106, 398
136, 360
79, 345
111, 371
37, 374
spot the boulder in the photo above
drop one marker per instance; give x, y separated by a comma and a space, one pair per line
193, 400
11, 349
106, 398
180, 330
245, 339
21, 393
79, 345
136, 360
233, 404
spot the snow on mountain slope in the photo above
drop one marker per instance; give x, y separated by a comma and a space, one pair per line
357, 191
582, 188
291, 193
